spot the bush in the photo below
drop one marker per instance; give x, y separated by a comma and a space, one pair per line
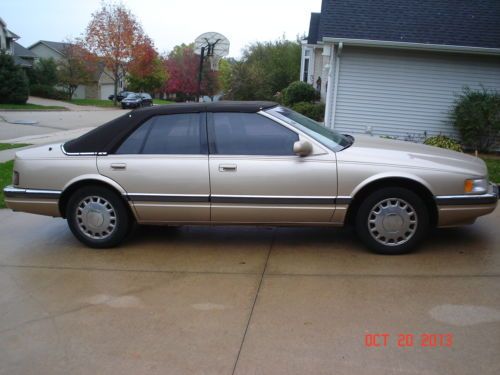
44, 72
49, 92
443, 142
311, 110
299, 91
476, 115
14, 87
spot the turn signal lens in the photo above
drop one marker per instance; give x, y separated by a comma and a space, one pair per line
469, 185
478, 186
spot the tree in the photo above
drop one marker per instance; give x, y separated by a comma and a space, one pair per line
14, 87
77, 67
182, 66
146, 70
44, 72
265, 69
115, 36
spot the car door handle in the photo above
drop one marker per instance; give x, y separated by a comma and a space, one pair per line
118, 166
227, 167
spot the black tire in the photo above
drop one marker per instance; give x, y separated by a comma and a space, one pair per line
114, 215
394, 198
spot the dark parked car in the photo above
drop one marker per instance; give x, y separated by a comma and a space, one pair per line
137, 101
121, 95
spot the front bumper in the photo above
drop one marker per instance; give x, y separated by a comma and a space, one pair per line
35, 201
130, 105
454, 210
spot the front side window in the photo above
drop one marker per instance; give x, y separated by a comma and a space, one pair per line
168, 134
250, 134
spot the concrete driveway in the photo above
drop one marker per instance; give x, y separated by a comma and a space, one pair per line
246, 300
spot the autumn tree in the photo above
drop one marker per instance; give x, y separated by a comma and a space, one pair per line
146, 70
114, 35
76, 67
182, 66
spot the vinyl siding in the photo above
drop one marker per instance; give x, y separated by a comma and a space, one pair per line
406, 94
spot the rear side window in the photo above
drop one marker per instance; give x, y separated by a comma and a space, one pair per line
250, 134
168, 134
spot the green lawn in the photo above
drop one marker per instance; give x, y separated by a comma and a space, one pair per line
30, 107
6, 146
5, 178
93, 102
493, 168
161, 101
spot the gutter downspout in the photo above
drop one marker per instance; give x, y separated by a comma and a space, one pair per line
336, 87
329, 89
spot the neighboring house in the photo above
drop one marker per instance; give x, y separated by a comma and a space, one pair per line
101, 86
391, 67
8, 44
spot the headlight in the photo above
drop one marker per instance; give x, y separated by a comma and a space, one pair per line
476, 186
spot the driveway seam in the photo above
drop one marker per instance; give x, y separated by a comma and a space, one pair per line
126, 270
254, 301
244, 273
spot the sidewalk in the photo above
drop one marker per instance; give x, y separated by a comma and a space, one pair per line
70, 106
40, 139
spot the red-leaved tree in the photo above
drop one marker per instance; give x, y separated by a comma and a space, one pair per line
182, 66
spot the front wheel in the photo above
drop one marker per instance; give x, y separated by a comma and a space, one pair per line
98, 217
392, 221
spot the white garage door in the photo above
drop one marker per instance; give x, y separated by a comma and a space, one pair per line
406, 94
107, 90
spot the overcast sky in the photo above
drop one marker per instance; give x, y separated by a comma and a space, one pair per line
167, 22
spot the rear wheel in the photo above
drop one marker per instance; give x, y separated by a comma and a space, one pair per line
98, 217
392, 221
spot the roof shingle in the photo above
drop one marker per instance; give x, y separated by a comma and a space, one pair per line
472, 23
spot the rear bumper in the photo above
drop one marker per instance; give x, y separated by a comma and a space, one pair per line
454, 210
41, 202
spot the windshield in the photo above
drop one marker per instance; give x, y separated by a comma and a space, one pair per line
330, 138
132, 96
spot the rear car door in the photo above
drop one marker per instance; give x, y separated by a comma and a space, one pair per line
163, 167
256, 178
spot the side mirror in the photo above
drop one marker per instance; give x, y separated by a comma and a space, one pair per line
302, 148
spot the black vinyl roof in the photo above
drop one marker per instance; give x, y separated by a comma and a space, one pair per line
468, 23
106, 137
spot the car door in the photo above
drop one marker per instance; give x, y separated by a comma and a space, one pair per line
163, 166
256, 178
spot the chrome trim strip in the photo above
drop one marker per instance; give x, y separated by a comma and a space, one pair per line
13, 192
449, 200
134, 197
238, 199
81, 153
272, 200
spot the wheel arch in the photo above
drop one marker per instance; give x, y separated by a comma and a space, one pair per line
412, 184
87, 180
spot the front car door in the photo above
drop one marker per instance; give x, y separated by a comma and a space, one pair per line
163, 167
256, 178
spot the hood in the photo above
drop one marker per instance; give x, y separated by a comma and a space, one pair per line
374, 150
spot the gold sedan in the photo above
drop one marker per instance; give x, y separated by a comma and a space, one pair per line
252, 163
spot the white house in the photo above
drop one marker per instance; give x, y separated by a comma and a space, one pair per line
394, 68
22, 57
